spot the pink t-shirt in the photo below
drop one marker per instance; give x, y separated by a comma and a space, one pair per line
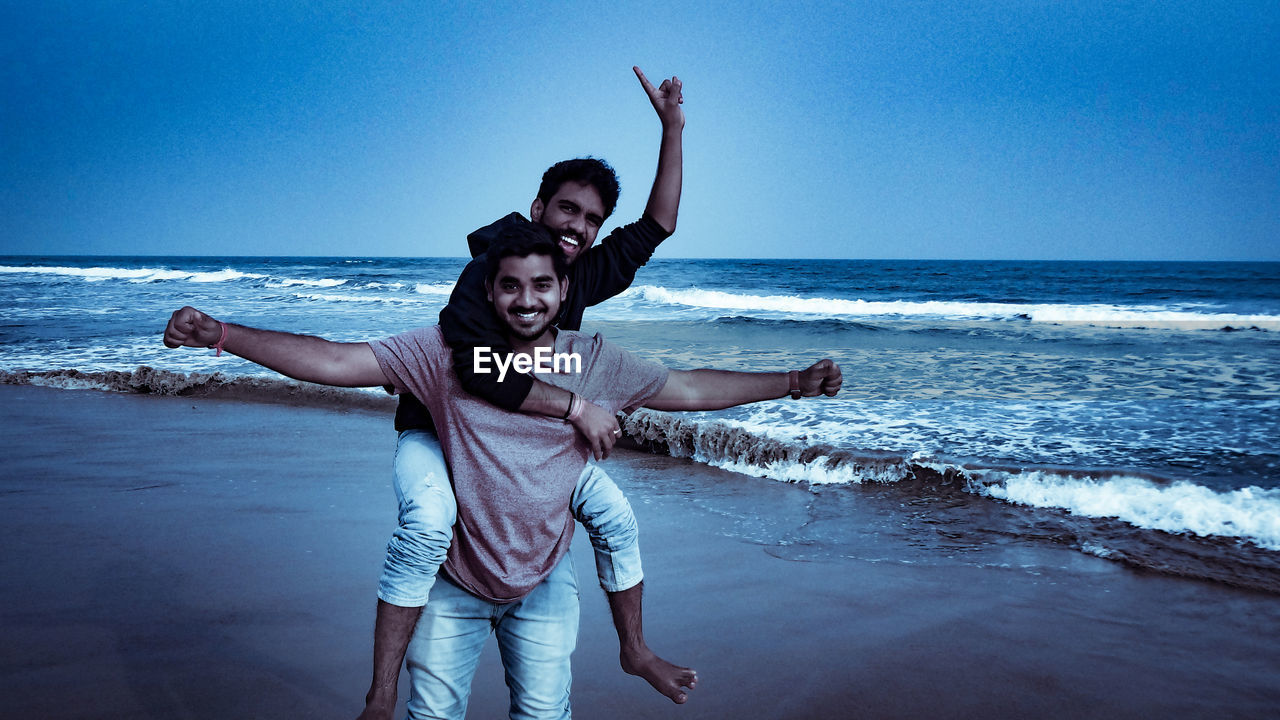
512, 473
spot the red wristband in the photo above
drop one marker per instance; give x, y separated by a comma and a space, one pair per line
218, 345
794, 376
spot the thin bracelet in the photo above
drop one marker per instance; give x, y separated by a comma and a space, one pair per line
578, 404
218, 345
569, 409
794, 378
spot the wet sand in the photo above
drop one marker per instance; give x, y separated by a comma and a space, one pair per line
184, 558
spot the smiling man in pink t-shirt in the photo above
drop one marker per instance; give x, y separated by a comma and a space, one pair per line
507, 571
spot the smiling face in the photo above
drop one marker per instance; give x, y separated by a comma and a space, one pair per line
574, 214
526, 295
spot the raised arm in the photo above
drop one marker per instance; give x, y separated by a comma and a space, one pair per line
664, 198
719, 389
302, 357
606, 269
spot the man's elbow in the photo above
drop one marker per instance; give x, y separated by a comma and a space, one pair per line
684, 396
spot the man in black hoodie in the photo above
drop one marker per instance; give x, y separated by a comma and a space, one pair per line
573, 200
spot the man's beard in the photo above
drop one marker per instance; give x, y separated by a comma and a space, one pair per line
524, 333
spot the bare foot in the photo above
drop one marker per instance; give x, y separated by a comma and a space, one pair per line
379, 707
666, 678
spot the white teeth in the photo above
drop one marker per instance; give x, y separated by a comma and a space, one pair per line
527, 316
569, 240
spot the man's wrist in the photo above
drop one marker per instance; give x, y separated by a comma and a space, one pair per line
576, 405
222, 338
793, 381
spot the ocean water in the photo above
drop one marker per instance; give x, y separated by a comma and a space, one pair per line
1126, 410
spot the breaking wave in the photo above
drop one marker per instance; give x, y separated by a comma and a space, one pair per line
98, 274
385, 299
294, 282
149, 381
1250, 514
1144, 316
433, 288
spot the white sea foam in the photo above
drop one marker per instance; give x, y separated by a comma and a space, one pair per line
1250, 513
98, 274
433, 288
70, 383
294, 282
820, 471
87, 273
387, 299
1149, 316
402, 300
223, 276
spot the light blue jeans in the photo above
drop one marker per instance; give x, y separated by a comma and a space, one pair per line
536, 635
428, 510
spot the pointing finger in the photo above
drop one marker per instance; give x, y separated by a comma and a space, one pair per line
644, 81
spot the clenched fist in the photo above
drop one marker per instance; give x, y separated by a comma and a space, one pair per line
191, 328
821, 378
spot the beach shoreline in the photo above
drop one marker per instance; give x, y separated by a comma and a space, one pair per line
181, 557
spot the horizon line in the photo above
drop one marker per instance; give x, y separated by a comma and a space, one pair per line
786, 259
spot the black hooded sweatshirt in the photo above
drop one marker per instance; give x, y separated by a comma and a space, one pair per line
468, 321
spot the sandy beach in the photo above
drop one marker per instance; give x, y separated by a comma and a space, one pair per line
197, 558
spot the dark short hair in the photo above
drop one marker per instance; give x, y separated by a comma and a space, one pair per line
522, 238
589, 171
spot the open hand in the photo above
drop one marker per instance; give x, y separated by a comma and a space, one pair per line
666, 99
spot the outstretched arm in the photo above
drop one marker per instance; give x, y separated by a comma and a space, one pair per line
719, 389
302, 357
664, 198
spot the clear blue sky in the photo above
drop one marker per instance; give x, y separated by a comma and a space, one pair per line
1022, 129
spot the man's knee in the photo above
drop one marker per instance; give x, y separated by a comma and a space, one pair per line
419, 460
427, 516
431, 507
528, 704
428, 508
604, 511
